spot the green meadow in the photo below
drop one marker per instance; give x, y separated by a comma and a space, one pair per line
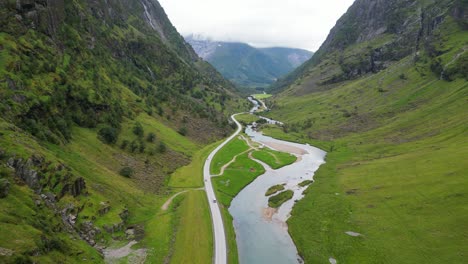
395, 172
274, 159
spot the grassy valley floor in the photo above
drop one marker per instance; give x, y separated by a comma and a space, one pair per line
395, 175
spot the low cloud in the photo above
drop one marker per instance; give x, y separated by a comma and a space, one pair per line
263, 23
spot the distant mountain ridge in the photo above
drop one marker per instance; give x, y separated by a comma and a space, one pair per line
247, 66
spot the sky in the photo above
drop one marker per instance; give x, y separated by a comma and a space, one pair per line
262, 23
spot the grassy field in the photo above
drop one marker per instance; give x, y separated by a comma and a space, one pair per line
238, 175
232, 254
227, 153
247, 118
194, 229
262, 96
191, 176
395, 169
274, 159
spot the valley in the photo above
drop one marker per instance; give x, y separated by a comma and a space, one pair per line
121, 141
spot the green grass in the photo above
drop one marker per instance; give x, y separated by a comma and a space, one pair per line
305, 183
398, 178
274, 189
191, 176
276, 201
166, 232
227, 153
274, 159
247, 118
232, 254
170, 137
194, 229
238, 175
262, 96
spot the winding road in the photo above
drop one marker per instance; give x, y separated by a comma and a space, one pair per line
220, 256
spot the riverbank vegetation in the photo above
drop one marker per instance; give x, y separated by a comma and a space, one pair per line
246, 119
274, 189
276, 201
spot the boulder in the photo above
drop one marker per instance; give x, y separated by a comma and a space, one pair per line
124, 215
76, 188
4, 188
23, 169
105, 208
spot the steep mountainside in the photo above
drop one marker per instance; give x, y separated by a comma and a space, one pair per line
101, 101
386, 96
374, 34
247, 66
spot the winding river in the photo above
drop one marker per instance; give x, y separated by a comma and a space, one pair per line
261, 233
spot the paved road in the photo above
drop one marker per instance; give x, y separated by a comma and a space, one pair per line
220, 256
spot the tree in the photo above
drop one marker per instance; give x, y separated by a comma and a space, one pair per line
126, 172
183, 131
162, 147
151, 137
142, 147
138, 130
108, 135
124, 144
133, 146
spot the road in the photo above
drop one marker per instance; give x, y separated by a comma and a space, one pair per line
220, 256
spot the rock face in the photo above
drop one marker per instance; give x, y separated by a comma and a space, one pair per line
75, 188
4, 188
24, 169
44, 15
460, 12
372, 35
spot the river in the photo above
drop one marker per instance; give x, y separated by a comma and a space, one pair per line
262, 238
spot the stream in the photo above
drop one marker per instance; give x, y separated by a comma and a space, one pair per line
261, 232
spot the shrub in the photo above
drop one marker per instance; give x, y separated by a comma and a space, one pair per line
162, 147
108, 135
133, 146
151, 137
124, 144
277, 200
138, 130
4, 188
142, 147
22, 259
183, 131
126, 172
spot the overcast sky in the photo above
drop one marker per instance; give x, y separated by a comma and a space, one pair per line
262, 23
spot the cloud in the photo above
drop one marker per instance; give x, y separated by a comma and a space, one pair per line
263, 23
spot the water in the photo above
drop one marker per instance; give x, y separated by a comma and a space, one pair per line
263, 240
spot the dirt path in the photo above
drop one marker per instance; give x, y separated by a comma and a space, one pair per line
235, 157
169, 201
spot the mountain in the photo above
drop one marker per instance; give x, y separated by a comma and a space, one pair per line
369, 40
248, 66
101, 102
385, 96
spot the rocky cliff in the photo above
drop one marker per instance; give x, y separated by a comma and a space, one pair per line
372, 35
